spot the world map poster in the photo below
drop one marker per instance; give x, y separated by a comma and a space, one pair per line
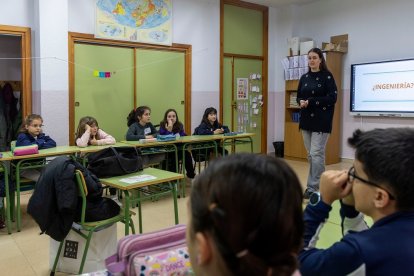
146, 21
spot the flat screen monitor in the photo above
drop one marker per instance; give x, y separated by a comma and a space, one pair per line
383, 88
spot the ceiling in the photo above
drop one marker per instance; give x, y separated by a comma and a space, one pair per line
279, 3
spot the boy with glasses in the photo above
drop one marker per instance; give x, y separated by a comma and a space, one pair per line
380, 185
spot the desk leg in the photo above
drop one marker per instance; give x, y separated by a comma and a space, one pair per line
182, 181
8, 205
251, 144
139, 211
126, 212
174, 192
18, 211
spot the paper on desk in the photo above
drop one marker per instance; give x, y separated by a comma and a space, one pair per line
137, 178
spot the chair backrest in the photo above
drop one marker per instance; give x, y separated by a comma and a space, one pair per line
83, 192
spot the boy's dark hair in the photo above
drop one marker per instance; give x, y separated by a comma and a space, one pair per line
177, 127
251, 206
387, 156
135, 113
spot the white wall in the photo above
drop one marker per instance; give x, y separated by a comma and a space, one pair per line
17, 13
378, 30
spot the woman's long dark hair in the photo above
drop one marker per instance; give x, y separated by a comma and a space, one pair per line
322, 66
251, 206
210, 110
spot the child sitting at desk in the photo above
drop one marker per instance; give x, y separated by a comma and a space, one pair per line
31, 134
139, 124
172, 125
141, 128
210, 126
89, 133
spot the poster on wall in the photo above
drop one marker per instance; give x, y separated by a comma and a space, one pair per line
242, 88
146, 21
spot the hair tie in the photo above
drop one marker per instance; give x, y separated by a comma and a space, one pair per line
242, 253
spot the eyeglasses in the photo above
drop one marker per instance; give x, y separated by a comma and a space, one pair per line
37, 126
352, 176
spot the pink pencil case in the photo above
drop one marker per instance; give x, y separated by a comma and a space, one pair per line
25, 150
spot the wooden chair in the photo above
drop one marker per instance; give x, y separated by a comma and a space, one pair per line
89, 227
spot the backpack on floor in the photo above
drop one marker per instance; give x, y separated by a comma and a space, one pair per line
162, 252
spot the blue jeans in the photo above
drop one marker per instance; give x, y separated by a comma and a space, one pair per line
315, 143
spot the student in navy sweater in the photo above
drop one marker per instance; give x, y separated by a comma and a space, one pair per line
31, 133
210, 126
380, 184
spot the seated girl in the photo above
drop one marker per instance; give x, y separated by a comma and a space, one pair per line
31, 134
172, 125
245, 217
210, 126
139, 125
89, 133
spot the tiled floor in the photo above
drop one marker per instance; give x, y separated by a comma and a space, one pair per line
27, 253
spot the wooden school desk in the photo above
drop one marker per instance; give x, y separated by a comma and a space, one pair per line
156, 176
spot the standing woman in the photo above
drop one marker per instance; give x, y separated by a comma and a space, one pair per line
317, 94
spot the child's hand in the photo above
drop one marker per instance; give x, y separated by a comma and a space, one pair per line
219, 131
94, 142
334, 185
87, 127
169, 125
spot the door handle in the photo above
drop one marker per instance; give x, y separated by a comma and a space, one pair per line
234, 105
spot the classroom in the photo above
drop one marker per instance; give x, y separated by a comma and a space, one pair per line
51, 55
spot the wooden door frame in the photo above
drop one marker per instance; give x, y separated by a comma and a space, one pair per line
264, 58
26, 71
90, 39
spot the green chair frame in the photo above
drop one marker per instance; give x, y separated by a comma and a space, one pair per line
17, 167
89, 227
9, 196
